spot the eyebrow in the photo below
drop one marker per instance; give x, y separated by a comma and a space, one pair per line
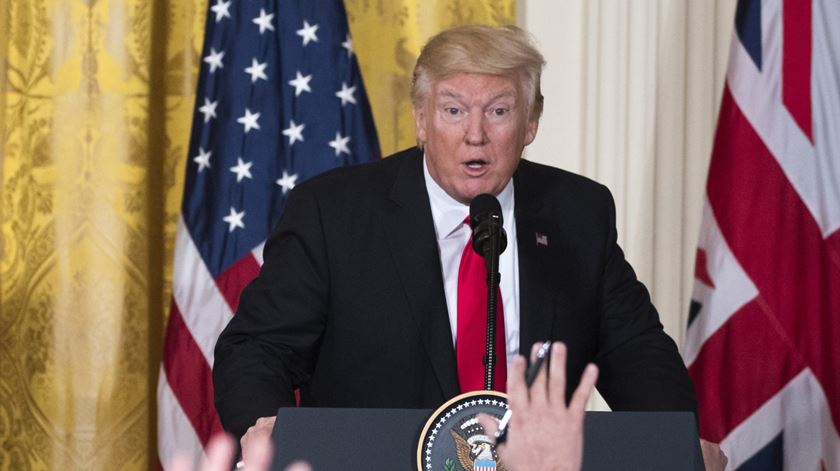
458, 96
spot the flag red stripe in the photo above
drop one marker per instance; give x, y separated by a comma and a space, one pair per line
190, 377
779, 244
701, 268
740, 367
233, 280
796, 62
833, 244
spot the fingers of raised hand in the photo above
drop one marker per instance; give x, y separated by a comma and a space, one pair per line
299, 466
584, 389
490, 424
557, 377
220, 451
517, 390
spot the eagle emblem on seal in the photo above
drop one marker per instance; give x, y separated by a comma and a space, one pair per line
474, 448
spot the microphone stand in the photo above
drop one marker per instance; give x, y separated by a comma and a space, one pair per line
491, 260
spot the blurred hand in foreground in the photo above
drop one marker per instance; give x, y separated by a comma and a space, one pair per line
221, 452
544, 432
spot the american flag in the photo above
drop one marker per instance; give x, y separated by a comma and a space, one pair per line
279, 99
763, 342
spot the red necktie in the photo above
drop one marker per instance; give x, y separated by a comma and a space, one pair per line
472, 325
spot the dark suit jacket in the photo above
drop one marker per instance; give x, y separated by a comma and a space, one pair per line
349, 305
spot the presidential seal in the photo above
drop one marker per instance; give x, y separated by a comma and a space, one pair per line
453, 440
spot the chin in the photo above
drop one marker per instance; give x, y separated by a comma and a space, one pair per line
472, 195
466, 195
481, 191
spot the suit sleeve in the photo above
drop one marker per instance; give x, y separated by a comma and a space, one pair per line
269, 348
641, 368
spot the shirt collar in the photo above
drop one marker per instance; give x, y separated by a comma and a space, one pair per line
448, 214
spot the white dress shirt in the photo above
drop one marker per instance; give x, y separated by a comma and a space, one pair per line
452, 236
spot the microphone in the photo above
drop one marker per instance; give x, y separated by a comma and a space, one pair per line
489, 240
486, 222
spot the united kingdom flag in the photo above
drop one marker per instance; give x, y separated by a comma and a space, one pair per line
763, 342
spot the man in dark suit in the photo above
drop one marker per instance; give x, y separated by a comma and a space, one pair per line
355, 302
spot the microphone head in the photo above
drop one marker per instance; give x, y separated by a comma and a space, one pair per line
483, 205
486, 222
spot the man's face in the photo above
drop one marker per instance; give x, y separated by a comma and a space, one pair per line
474, 127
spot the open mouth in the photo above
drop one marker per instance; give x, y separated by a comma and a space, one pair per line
476, 164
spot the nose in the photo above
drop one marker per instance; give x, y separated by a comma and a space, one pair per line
474, 132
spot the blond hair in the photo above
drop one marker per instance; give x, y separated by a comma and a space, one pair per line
479, 49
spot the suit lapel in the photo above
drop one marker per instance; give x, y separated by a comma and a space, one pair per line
411, 240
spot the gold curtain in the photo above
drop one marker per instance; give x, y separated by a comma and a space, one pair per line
95, 105
96, 100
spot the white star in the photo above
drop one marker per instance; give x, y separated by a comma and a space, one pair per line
348, 44
264, 21
241, 169
202, 159
234, 219
301, 83
340, 144
221, 9
215, 60
257, 70
209, 109
308, 32
295, 132
249, 120
346, 94
287, 182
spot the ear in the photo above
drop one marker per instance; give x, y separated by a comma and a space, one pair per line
419, 112
531, 130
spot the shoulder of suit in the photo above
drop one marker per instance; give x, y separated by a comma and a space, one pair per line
545, 178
